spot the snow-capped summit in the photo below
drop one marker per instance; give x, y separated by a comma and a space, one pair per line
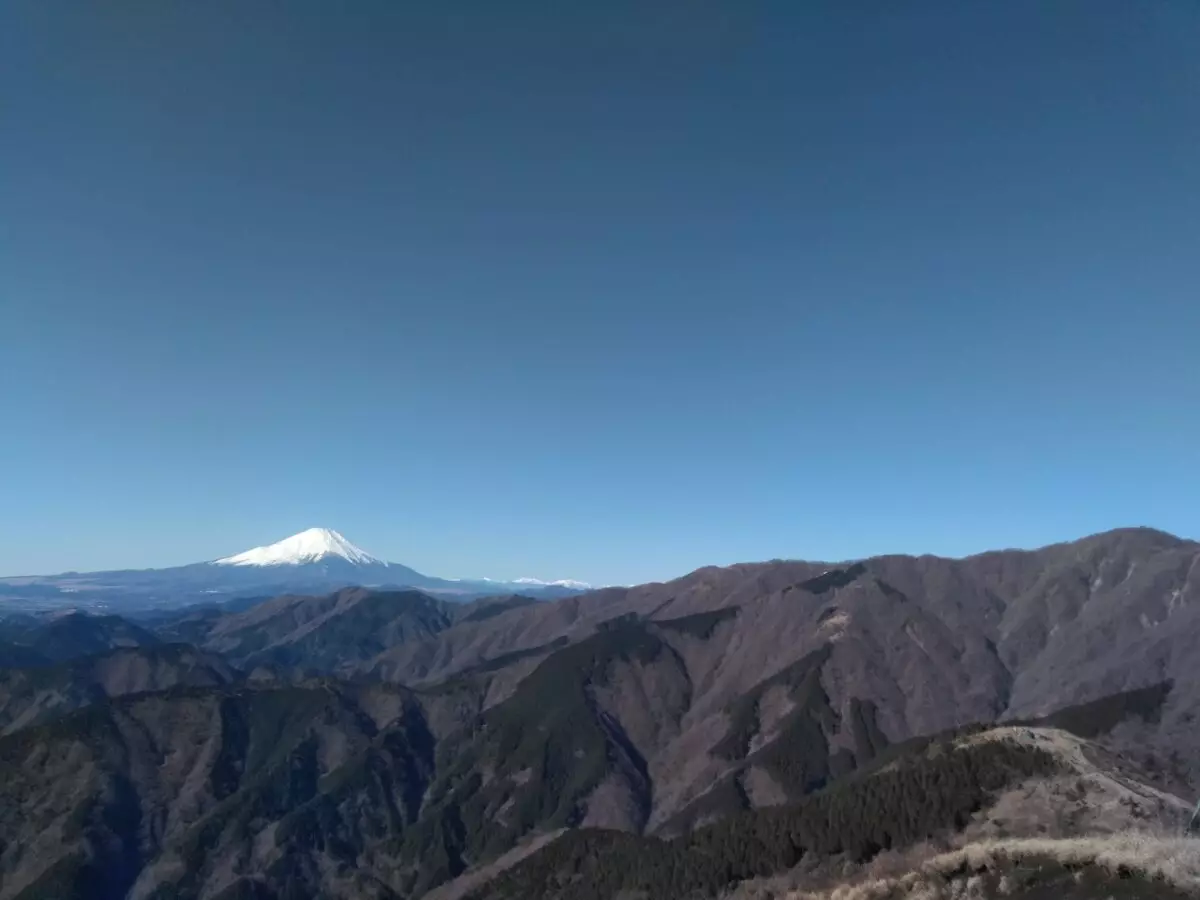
313, 545
316, 561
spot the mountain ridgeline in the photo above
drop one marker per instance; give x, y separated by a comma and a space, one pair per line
317, 560
665, 740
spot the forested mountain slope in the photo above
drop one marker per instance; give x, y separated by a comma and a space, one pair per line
383, 743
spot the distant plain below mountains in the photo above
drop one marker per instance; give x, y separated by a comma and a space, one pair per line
666, 740
312, 561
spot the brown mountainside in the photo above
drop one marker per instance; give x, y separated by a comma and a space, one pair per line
418, 739
934, 642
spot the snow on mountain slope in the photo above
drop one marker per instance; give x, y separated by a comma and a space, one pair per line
309, 546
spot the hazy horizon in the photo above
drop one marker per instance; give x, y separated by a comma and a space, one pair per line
600, 583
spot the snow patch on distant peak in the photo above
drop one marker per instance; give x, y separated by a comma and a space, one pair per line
308, 546
530, 583
562, 582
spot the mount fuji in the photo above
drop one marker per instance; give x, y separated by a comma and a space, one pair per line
320, 553
309, 546
316, 560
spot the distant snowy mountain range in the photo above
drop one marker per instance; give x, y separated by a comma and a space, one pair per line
313, 561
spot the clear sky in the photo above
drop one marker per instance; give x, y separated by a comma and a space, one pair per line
596, 290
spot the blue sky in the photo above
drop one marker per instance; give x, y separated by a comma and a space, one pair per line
604, 291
